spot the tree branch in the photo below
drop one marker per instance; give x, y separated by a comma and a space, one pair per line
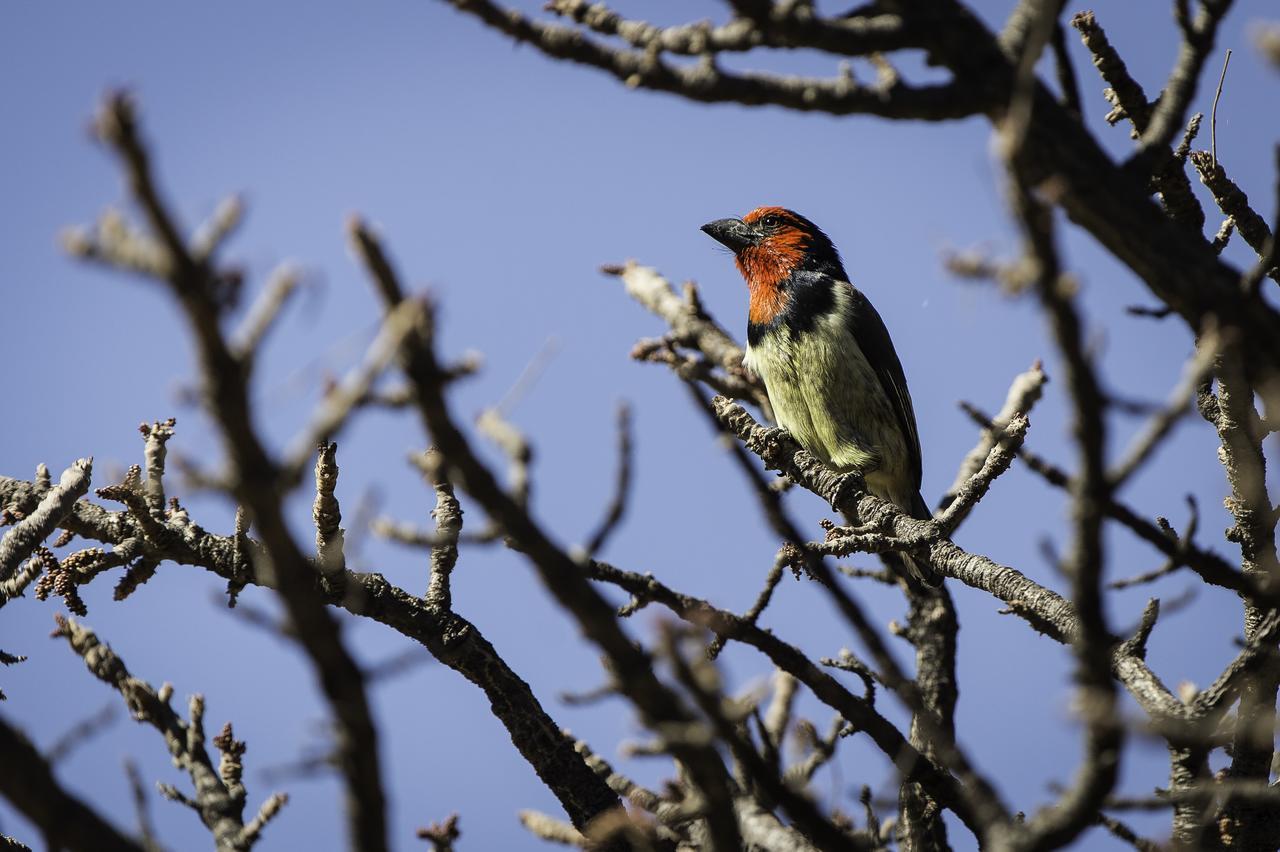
27, 782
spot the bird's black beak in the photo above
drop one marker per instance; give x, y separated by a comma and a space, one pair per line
734, 233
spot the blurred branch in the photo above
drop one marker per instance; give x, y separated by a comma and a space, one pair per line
802, 812
622, 488
345, 398
1157, 429
560, 573
1199, 35
265, 312
1173, 563
201, 291
1093, 643
27, 783
82, 731
441, 835
1123, 832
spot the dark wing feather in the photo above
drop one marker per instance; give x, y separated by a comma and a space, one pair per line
877, 346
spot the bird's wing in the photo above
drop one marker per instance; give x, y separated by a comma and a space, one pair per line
877, 347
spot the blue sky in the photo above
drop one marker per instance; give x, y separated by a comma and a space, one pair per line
501, 181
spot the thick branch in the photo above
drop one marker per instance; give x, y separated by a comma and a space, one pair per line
707, 83
559, 572
453, 640
1046, 611
27, 781
198, 289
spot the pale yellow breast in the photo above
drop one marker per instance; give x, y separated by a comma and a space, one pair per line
825, 393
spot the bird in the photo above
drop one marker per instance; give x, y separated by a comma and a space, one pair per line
833, 378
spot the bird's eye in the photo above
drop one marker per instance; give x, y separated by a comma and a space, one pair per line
771, 221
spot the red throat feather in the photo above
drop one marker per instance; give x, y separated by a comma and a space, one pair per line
767, 265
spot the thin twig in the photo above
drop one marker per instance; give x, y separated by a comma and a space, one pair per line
81, 732
1179, 406
1213, 114
622, 487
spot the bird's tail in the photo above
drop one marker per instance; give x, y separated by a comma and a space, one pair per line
916, 567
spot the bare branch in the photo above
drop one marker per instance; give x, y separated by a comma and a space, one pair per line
1045, 610
19, 542
618, 505
266, 310
827, 689
690, 325
140, 807
441, 835
327, 515
1123, 832
548, 828
1213, 114
1233, 202
211, 235
26, 575
851, 35
1093, 643
1125, 93
1170, 110
1129, 101
27, 783
1002, 453
452, 640
342, 400
444, 555
1024, 393
201, 293
822, 832
1211, 567
707, 83
80, 732
156, 436
219, 804
780, 563
561, 575
270, 808
1179, 406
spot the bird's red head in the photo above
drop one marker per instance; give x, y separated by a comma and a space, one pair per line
770, 245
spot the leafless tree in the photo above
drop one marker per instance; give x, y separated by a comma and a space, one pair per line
731, 786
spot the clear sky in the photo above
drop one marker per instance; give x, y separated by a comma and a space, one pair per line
501, 181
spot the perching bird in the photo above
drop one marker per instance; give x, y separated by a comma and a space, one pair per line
833, 377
